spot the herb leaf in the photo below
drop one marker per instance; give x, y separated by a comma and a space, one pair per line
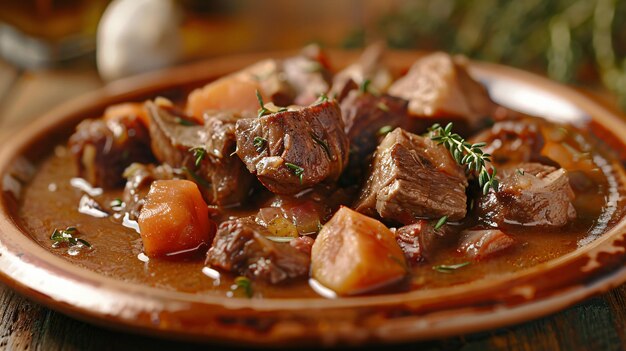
259, 143
262, 110
322, 98
520, 171
198, 153
297, 170
66, 236
185, 122
382, 106
445, 268
465, 154
245, 285
441, 222
364, 87
384, 130
323, 144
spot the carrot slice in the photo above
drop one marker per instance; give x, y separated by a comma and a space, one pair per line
174, 218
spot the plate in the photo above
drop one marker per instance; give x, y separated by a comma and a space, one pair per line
488, 303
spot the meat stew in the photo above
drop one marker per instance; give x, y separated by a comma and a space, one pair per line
279, 180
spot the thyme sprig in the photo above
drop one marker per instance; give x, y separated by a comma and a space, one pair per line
469, 155
449, 268
259, 143
441, 222
296, 170
198, 154
262, 110
68, 235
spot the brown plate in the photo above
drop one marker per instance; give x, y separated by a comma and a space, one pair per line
548, 287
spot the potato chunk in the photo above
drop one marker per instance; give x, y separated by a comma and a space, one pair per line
174, 218
354, 253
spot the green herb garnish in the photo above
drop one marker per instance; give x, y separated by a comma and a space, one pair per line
259, 143
62, 236
364, 87
444, 268
322, 98
198, 153
323, 144
262, 110
382, 106
520, 171
297, 170
185, 122
469, 155
384, 130
441, 222
244, 285
117, 204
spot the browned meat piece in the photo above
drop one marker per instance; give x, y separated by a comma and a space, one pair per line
482, 244
367, 118
293, 150
421, 239
412, 177
438, 85
103, 148
514, 142
530, 194
307, 75
367, 68
138, 180
241, 247
303, 244
222, 178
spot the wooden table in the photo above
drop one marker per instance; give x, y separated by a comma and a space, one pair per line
597, 324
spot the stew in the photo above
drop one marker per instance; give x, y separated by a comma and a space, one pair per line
289, 179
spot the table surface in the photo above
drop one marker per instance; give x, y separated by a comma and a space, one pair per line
596, 324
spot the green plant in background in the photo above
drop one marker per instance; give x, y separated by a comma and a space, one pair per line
572, 41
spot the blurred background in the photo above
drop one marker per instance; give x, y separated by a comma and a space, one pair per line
79, 44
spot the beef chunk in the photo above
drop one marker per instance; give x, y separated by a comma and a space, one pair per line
138, 180
368, 67
103, 148
307, 75
222, 178
439, 85
367, 118
241, 247
412, 177
421, 239
530, 194
514, 142
293, 150
482, 244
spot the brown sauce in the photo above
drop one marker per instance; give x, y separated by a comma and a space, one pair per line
50, 201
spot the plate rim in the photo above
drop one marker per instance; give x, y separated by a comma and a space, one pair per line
19, 270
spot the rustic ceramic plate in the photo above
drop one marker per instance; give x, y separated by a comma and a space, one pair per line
33, 271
